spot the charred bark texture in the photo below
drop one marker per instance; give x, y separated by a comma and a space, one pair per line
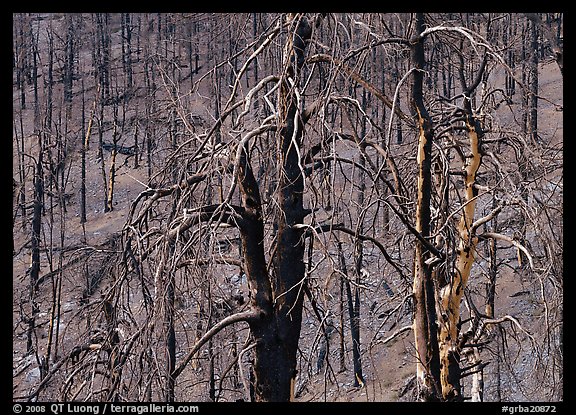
35, 245
354, 315
277, 297
425, 328
551, 37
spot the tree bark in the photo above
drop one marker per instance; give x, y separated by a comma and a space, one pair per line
452, 293
425, 328
533, 82
354, 321
277, 297
69, 59
35, 244
553, 39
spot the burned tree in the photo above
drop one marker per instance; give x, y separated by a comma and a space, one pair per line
284, 191
425, 329
274, 313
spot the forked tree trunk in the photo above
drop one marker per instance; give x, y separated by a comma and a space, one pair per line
276, 296
451, 294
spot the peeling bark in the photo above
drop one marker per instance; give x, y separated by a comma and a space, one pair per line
451, 294
425, 328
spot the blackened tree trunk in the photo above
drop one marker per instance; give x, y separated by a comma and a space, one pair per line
83, 160
127, 48
35, 245
341, 348
533, 82
254, 33
69, 59
509, 34
425, 326
50, 83
276, 288
553, 37
102, 52
278, 299
358, 261
20, 55
21, 170
100, 156
169, 331
354, 321
288, 266
112, 172
85, 145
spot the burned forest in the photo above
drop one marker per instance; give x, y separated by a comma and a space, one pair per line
275, 207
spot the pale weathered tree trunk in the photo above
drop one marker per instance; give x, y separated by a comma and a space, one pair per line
452, 293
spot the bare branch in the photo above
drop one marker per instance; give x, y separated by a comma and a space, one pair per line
512, 320
247, 316
228, 214
394, 335
354, 75
513, 241
485, 219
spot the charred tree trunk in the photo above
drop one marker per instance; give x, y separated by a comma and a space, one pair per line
288, 262
50, 83
254, 34
508, 36
358, 261
533, 82
37, 212
493, 268
170, 335
85, 145
21, 170
35, 245
341, 349
100, 156
69, 59
149, 112
112, 172
20, 52
127, 48
103, 52
425, 327
554, 39
83, 159
277, 297
354, 322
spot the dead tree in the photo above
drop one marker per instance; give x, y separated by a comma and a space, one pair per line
425, 326
276, 298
